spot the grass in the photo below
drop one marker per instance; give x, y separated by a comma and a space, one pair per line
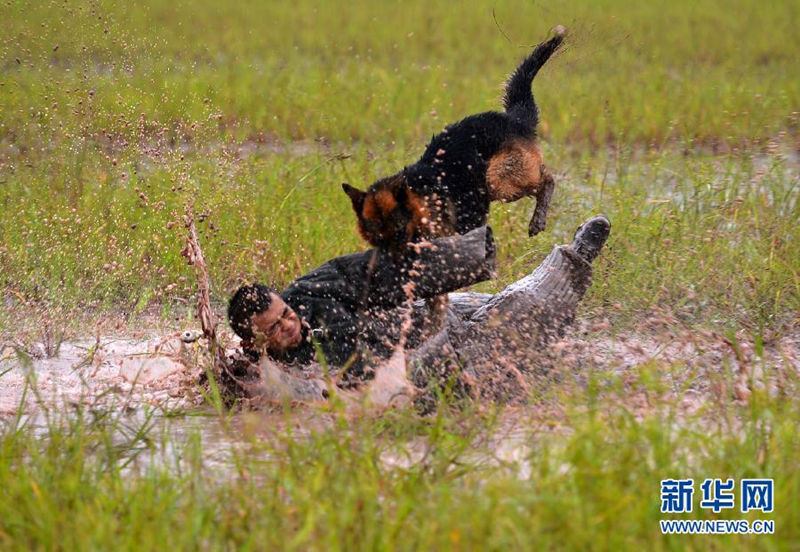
397, 483
117, 244
678, 120
391, 72
115, 118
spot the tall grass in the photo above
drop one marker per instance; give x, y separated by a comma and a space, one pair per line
456, 481
714, 239
115, 117
377, 72
678, 120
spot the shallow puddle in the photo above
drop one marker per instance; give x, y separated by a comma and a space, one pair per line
148, 387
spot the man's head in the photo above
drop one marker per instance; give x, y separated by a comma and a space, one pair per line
263, 320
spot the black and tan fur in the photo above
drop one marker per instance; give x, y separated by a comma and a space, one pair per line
492, 156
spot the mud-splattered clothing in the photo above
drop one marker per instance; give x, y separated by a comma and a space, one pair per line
486, 353
349, 306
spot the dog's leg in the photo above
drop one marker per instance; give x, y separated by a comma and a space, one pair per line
543, 197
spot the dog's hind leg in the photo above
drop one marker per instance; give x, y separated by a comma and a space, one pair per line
543, 197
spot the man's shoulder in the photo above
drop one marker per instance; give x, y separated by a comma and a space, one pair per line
335, 280
344, 266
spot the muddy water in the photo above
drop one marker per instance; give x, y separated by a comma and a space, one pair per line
135, 384
152, 383
126, 373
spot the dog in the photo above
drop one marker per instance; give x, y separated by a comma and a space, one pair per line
490, 156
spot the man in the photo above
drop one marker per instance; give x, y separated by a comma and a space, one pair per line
483, 330
348, 312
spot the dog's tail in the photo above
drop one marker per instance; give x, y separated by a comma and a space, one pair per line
518, 99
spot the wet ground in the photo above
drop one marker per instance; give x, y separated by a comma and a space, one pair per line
153, 381
126, 373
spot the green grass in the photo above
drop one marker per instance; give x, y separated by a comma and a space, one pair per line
398, 483
376, 72
115, 118
712, 238
678, 120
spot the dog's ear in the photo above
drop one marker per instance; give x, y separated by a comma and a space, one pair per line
356, 197
398, 189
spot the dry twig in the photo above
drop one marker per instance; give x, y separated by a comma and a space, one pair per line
194, 256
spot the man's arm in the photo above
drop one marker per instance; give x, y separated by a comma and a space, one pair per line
374, 279
441, 266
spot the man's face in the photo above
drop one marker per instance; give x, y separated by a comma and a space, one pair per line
278, 326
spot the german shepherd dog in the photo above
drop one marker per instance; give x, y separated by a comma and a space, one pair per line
487, 157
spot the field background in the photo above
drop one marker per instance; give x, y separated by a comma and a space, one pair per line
679, 120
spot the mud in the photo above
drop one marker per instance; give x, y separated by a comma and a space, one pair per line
101, 372
137, 377
162, 371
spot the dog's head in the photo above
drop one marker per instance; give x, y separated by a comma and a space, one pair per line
389, 214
